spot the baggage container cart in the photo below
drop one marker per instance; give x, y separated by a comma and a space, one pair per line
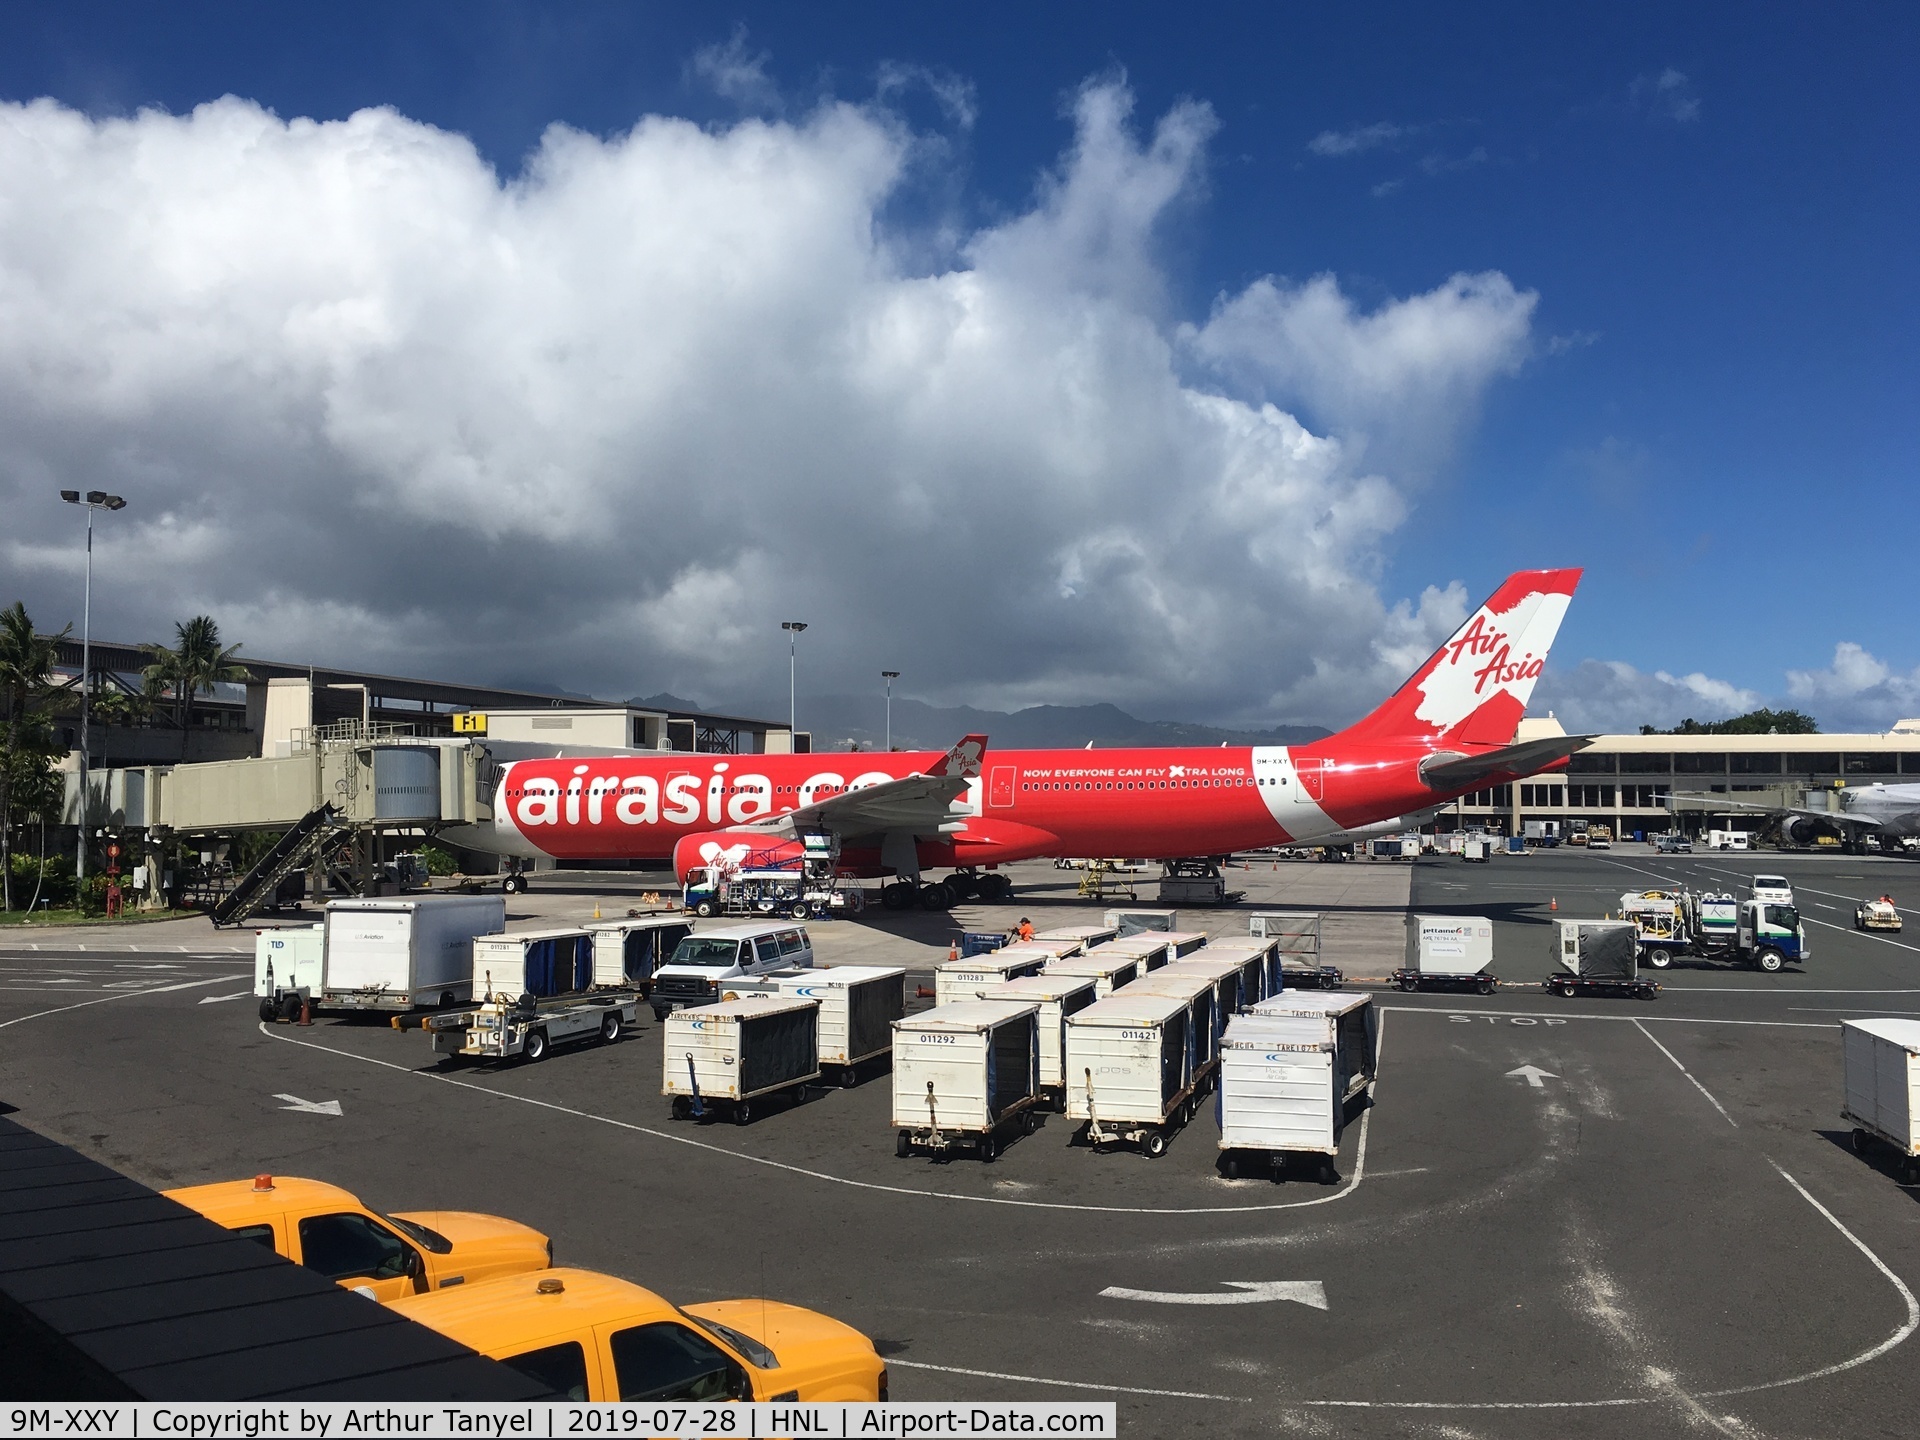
858, 1005
1109, 972
1356, 1029
955, 981
1598, 957
983, 942
721, 1058
1298, 936
1142, 922
1202, 994
966, 1077
1088, 935
1882, 1094
627, 952
1182, 943
1451, 952
1130, 1070
1257, 961
524, 1027
288, 969
540, 963
396, 955
1058, 996
1149, 950
1283, 1091
1238, 980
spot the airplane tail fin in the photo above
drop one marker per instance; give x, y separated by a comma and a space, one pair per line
1475, 688
963, 761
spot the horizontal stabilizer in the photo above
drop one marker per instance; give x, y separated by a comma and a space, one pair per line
1464, 772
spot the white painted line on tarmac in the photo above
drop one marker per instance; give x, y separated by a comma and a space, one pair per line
1068, 1384
1688, 1073
122, 995
1498, 1015
1359, 1159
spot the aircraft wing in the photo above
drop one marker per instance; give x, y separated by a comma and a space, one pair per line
916, 804
1445, 770
1905, 823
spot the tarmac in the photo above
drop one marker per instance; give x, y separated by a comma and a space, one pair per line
1566, 1217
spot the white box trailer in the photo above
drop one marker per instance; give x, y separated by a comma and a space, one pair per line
1058, 996
1142, 922
1109, 972
1451, 952
288, 967
1130, 1067
1356, 1029
627, 952
1882, 1060
728, 1055
1281, 1092
964, 1075
1149, 949
1088, 935
541, 963
858, 1005
1598, 957
404, 954
956, 981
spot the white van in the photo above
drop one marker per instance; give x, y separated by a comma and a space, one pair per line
701, 962
1773, 889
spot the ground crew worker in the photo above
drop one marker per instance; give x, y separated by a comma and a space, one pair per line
1025, 930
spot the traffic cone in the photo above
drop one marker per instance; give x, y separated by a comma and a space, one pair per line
1552, 903
596, 909
953, 950
306, 1011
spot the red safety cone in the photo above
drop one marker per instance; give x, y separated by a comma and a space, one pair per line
1553, 903
306, 1011
953, 950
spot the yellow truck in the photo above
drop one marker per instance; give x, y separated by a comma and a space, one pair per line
328, 1230
595, 1337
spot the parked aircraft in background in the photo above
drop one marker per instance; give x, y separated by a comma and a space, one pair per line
1889, 812
1447, 731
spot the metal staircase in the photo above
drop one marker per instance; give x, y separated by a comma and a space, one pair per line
259, 885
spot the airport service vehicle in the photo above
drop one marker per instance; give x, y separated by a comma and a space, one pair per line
1130, 1067
397, 955
1729, 839
1058, 996
1287, 1074
1673, 844
287, 969
330, 1232
724, 1057
1675, 923
1447, 731
537, 989
1598, 957
592, 1337
858, 1005
1882, 1060
1881, 914
627, 952
1451, 952
1544, 834
966, 1077
701, 964
955, 981
1775, 888
1195, 882
1108, 972
1598, 839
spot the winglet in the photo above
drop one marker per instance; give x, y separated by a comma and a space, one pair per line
963, 761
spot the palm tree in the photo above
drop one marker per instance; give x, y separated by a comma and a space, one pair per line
26, 678
196, 662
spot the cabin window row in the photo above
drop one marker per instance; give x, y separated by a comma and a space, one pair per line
1721, 762
1133, 784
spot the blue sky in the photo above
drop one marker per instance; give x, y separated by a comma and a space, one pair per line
1714, 206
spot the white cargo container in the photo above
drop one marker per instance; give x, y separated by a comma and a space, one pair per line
1299, 930
858, 1005
402, 954
1598, 957
1356, 1029
1451, 952
1182, 943
1130, 1066
955, 981
1141, 922
965, 1074
730, 1054
1298, 937
1882, 1059
1281, 1092
1258, 962
627, 952
1088, 935
1058, 996
1236, 981
1107, 969
288, 969
1150, 950
540, 963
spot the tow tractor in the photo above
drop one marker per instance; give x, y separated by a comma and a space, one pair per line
1673, 923
1881, 914
526, 1027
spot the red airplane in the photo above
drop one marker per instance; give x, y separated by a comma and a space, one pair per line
1447, 731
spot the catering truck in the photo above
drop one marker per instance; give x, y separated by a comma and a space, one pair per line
396, 955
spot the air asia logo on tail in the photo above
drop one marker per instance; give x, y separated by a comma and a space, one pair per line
1499, 651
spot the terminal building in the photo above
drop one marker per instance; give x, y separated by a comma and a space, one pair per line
1627, 782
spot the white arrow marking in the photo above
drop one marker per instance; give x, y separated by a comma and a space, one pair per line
309, 1107
217, 999
1533, 1075
1242, 1292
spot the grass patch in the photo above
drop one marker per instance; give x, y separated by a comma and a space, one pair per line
53, 919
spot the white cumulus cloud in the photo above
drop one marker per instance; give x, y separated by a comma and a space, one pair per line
604, 423
1611, 697
1857, 691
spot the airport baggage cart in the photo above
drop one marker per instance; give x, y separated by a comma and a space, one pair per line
982, 942
1258, 962
858, 1005
1298, 936
1130, 1072
1058, 996
955, 981
397, 954
1882, 1060
540, 963
1182, 943
1088, 935
1202, 994
1108, 971
721, 1058
1356, 1029
524, 1027
1142, 922
966, 1076
1451, 952
1283, 1091
1148, 950
627, 952
288, 967
1598, 957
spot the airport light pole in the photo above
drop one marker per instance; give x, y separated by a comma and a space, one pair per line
793, 629
889, 676
93, 500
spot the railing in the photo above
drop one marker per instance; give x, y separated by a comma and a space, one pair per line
353, 732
